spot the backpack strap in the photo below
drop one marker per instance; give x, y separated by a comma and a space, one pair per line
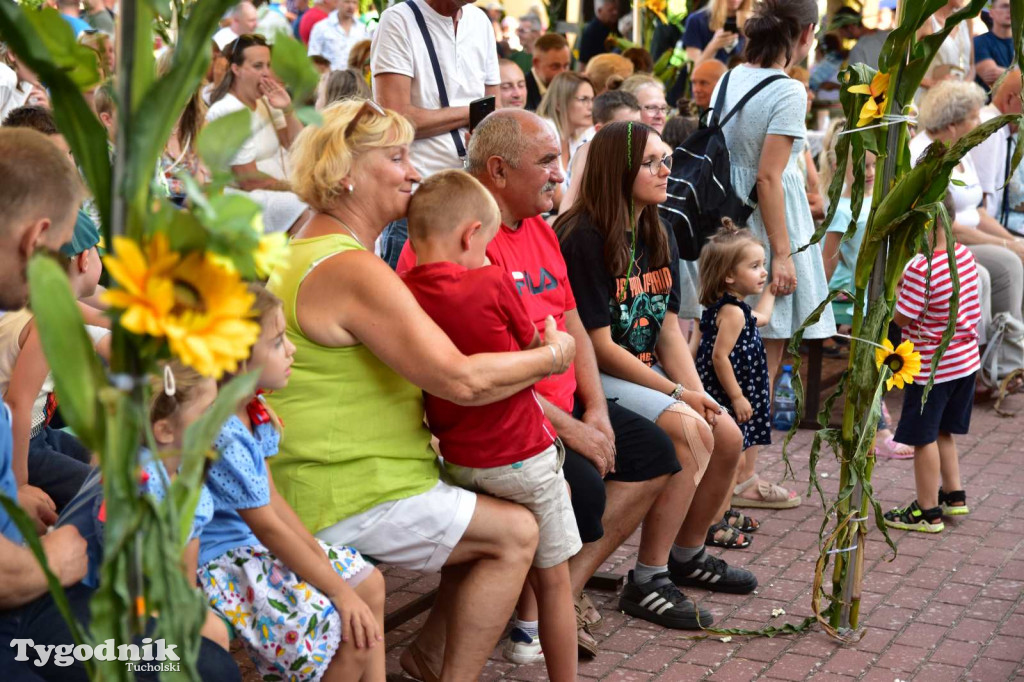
438, 76
716, 110
750, 94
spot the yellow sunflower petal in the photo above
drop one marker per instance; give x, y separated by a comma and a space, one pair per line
862, 89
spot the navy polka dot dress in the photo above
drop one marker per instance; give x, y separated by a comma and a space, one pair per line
749, 364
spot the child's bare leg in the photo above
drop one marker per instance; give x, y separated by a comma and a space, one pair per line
949, 462
367, 663
557, 615
926, 474
526, 607
371, 591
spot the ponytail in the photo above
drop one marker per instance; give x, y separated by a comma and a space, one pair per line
774, 29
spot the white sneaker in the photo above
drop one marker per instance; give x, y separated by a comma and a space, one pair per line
522, 649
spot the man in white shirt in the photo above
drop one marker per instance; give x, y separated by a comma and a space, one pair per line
334, 37
243, 19
403, 79
991, 157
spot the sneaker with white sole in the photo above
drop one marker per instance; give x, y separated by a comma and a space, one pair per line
522, 649
711, 573
660, 602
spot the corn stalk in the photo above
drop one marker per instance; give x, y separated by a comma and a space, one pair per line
905, 203
140, 575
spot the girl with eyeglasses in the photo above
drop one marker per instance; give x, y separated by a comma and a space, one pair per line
650, 93
623, 270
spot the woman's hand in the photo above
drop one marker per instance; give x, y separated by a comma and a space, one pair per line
358, 624
721, 39
564, 345
742, 410
275, 93
702, 404
783, 275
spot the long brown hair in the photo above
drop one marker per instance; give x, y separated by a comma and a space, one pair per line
235, 54
774, 29
612, 164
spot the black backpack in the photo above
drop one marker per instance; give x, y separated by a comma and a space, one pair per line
700, 192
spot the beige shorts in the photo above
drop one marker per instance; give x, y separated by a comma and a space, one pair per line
538, 484
417, 533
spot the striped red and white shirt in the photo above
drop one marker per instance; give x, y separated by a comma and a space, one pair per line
925, 300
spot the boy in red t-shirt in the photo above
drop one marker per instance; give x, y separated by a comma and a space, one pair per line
507, 449
922, 309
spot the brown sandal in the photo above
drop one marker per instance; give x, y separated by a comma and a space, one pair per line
423, 671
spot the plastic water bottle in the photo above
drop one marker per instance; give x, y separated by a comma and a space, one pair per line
784, 405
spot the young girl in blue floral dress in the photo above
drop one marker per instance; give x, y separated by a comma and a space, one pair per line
304, 609
731, 359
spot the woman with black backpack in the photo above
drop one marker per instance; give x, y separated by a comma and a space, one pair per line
765, 142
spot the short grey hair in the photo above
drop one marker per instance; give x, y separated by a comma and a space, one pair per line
602, 3
949, 102
531, 18
500, 134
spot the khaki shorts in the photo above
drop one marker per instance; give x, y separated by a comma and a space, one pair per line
538, 484
417, 533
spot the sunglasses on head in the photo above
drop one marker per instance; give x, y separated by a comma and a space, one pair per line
368, 109
237, 46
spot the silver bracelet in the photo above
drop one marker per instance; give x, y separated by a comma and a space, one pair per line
554, 361
677, 392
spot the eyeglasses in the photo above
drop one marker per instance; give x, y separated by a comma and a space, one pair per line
654, 165
653, 109
584, 100
369, 107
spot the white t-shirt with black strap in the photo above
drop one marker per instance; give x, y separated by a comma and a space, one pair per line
468, 59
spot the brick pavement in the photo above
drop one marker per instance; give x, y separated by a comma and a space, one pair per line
949, 607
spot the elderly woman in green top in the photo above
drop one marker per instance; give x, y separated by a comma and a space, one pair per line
356, 463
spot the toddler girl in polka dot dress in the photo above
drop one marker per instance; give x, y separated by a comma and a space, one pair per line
731, 359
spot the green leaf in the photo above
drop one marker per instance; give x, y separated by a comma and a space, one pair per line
291, 64
31, 38
278, 605
76, 370
298, 663
221, 139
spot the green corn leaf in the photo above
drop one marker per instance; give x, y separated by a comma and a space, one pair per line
30, 36
291, 64
221, 139
76, 370
165, 98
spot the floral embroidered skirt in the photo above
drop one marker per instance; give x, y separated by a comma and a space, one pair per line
290, 629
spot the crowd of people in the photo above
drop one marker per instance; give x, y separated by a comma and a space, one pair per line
492, 360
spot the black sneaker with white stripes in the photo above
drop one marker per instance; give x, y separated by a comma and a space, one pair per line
660, 602
711, 573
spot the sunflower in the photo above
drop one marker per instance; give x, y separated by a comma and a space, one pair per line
875, 106
210, 327
146, 293
202, 308
271, 252
902, 361
658, 8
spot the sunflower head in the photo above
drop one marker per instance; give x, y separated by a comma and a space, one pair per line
876, 104
903, 362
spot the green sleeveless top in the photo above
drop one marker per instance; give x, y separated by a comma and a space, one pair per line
354, 435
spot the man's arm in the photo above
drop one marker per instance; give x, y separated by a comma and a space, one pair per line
394, 91
22, 579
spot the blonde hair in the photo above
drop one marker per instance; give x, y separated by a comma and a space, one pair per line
719, 11
828, 162
607, 71
186, 381
557, 100
719, 258
639, 81
323, 154
446, 200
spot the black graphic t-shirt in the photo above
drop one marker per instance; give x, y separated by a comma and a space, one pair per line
634, 308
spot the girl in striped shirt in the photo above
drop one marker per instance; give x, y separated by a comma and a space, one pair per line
922, 310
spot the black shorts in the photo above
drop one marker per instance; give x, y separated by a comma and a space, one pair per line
642, 452
948, 410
